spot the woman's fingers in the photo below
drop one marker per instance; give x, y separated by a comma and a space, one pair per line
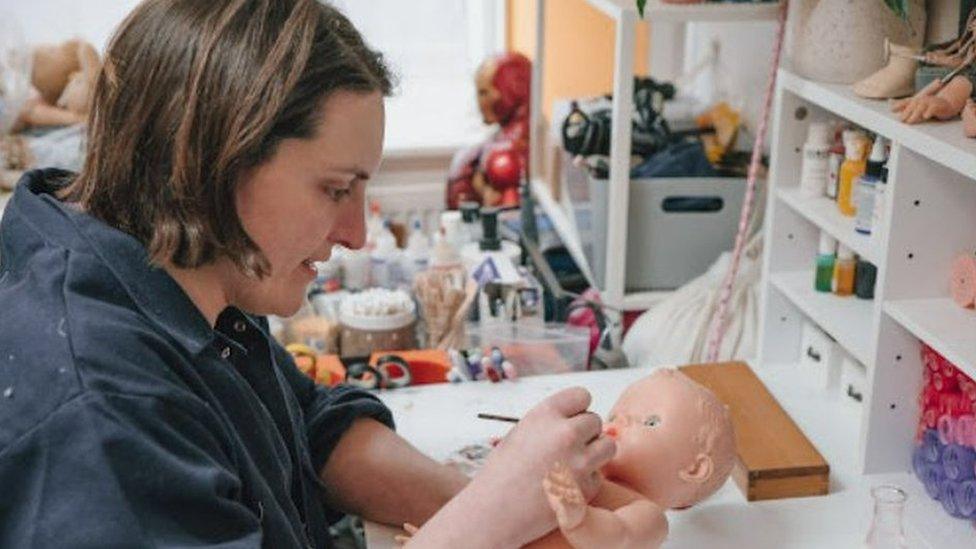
570, 402
585, 427
599, 452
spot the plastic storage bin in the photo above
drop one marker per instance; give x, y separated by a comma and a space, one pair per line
536, 349
676, 229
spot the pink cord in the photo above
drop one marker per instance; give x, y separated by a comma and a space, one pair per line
718, 325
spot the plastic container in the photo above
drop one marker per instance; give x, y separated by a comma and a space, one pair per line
815, 168
377, 320
854, 166
844, 270
867, 185
536, 349
826, 258
383, 260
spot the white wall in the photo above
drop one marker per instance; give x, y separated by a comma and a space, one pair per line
46, 21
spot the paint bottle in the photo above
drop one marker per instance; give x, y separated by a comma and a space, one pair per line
853, 167
383, 259
825, 263
844, 271
880, 202
814, 169
864, 279
834, 160
867, 188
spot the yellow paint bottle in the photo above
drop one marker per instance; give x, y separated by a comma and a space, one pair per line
851, 170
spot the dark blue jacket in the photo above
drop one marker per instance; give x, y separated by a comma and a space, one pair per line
126, 420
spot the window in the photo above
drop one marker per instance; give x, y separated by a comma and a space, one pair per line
434, 47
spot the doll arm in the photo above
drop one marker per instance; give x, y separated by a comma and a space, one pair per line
639, 524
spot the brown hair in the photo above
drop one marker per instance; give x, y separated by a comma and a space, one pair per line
193, 94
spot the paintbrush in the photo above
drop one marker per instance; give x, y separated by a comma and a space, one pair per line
507, 419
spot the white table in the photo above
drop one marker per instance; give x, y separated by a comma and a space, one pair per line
440, 419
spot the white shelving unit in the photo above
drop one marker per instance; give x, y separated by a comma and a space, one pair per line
667, 59
929, 219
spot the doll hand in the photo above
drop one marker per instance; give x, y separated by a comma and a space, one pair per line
410, 530
565, 496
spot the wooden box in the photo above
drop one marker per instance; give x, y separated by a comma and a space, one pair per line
775, 459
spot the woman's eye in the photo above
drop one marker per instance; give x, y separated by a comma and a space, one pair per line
338, 194
652, 421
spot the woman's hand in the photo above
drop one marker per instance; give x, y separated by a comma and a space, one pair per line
508, 491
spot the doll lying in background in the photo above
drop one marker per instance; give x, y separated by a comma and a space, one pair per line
41, 125
675, 447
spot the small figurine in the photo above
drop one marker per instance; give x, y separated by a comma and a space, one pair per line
675, 447
489, 173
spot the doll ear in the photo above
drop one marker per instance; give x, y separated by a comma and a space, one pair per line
699, 471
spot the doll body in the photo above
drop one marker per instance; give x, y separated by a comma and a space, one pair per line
675, 447
63, 76
490, 172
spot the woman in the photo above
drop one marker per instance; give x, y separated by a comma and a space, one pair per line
142, 402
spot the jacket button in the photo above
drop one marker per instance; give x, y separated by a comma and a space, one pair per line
240, 326
225, 353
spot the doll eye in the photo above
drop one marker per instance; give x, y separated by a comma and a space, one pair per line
652, 421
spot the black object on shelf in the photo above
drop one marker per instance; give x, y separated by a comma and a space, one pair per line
489, 230
865, 276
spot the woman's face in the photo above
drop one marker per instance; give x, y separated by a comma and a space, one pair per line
307, 198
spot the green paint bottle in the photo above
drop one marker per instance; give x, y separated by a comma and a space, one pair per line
825, 263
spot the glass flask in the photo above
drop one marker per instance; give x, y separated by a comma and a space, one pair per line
886, 530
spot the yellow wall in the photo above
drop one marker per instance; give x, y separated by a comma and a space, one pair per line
578, 49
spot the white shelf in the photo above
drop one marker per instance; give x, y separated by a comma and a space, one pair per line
823, 213
704, 12
943, 325
849, 320
942, 142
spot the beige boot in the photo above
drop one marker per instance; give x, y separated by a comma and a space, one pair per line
896, 79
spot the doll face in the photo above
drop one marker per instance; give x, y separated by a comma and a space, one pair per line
656, 424
488, 95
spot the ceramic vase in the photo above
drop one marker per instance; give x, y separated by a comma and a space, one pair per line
842, 41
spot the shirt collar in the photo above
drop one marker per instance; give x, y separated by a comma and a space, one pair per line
35, 219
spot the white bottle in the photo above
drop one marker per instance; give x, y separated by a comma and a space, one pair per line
355, 269
880, 203
383, 258
867, 188
815, 169
416, 258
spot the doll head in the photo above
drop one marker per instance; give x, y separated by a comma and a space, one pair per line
504, 86
675, 442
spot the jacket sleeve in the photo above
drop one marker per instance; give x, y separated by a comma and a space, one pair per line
122, 471
328, 411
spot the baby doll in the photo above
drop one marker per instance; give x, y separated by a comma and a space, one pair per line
64, 77
675, 447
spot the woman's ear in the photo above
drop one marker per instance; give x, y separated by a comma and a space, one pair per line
699, 471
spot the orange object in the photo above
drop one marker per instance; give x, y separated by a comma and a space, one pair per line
426, 365
329, 370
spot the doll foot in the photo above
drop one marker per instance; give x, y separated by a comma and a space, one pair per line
565, 497
969, 119
896, 79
